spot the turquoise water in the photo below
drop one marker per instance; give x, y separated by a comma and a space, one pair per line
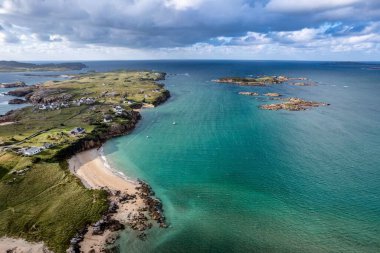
234, 178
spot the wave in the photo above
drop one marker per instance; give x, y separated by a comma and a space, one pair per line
108, 167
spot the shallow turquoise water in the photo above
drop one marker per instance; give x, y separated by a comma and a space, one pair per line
234, 178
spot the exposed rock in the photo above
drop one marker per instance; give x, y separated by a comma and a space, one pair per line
305, 83
21, 92
12, 85
253, 81
17, 101
272, 94
248, 93
293, 104
47, 96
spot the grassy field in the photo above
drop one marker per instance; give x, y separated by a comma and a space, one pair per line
39, 199
46, 203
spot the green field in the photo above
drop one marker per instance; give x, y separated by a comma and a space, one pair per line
39, 199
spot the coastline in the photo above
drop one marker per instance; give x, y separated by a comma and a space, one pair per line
131, 202
19, 245
93, 169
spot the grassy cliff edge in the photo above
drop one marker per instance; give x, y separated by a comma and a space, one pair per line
39, 199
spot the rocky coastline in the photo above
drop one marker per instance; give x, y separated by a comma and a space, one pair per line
120, 215
117, 207
12, 85
17, 101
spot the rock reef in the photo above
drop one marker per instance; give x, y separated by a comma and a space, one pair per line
17, 101
293, 104
248, 93
12, 85
253, 81
272, 94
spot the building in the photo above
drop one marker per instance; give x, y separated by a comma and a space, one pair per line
107, 119
48, 145
32, 151
77, 130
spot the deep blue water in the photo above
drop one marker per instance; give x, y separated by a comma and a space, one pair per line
234, 178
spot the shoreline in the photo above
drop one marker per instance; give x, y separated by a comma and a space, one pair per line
19, 245
132, 202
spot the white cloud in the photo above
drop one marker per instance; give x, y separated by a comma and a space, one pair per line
183, 4
306, 5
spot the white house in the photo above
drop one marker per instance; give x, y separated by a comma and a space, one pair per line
107, 119
32, 151
77, 130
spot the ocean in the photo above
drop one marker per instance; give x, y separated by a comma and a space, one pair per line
235, 178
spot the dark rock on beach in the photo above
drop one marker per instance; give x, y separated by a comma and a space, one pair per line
17, 101
12, 85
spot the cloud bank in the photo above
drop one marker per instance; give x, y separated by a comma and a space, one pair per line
140, 29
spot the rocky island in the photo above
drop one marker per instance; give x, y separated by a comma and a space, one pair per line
14, 66
289, 104
272, 94
293, 104
253, 81
41, 200
248, 93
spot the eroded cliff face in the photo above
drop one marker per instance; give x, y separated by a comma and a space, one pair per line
164, 96
99, 135
46, 96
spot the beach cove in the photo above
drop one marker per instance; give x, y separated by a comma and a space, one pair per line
235, 178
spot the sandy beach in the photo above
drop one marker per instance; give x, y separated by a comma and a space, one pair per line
7, 123
95, 173
21, 246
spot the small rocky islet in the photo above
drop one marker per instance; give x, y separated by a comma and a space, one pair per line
289, 104
253, 81
293, 104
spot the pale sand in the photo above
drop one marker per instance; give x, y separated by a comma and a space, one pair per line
21, 246
95, 173
7, 123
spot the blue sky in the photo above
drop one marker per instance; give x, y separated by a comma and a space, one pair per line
190, 29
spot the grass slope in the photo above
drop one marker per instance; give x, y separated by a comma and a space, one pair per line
46, 203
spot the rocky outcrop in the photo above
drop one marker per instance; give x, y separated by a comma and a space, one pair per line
293, 104
21, 92
46, 96
165, 95
253, 81
248, 93
12, 85
17, 101
10, 116
272, 94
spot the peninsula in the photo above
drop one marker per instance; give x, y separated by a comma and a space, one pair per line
46, 199
14, 66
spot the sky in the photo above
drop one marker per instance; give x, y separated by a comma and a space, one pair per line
339, 30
